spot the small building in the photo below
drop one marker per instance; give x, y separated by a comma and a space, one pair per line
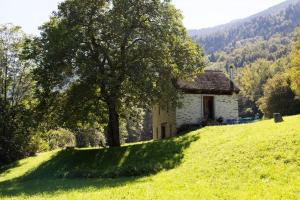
211, 96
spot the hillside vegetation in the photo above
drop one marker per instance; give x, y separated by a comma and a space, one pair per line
253, 161
267, 35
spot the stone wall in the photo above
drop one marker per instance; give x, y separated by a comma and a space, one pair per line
226, 106
191, 110
163, 117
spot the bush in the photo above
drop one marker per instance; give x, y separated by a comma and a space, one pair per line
60, 138
90, 138
37, 144
15, 135
189, 127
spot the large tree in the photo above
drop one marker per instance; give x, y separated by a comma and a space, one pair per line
125, 52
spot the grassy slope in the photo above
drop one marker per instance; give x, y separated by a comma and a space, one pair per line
254, 161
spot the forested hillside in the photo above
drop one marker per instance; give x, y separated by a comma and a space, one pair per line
259, 48
251, 50
281, 19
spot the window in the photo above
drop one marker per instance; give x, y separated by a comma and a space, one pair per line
171, 129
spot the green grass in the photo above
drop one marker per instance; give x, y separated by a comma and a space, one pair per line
253, 161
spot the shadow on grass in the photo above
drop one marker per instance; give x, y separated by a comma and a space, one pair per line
5, 169
73, 169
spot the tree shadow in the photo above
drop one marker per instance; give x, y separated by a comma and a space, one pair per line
100, 168
5, 169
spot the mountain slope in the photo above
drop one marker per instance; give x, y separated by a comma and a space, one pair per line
253, 161
281, 19
235, 23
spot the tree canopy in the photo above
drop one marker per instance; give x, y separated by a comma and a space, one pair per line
113, 55
252, 79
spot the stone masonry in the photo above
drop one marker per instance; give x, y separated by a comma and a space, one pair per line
191, 110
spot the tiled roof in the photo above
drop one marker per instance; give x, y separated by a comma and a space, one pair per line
210, 82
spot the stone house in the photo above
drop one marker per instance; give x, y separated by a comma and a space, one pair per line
211, 96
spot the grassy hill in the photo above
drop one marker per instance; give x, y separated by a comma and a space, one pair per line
253, 161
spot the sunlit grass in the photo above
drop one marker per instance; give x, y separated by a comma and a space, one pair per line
253, 161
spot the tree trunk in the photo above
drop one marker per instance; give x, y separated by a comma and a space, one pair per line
113, 131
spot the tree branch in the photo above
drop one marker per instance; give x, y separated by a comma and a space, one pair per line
134, 42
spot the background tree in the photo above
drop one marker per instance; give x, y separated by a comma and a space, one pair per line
123, 52
16, 96
279, 97
251, 80
135, 125
295, 71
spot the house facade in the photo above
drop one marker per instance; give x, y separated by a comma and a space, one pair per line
209, 97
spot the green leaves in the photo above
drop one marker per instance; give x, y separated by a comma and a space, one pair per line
253, 78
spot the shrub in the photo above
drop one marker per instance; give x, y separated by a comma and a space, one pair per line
15, 135
90, 138
37, 144
189, 127
60, 138
220, 120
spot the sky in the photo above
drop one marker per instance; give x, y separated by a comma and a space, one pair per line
30, 14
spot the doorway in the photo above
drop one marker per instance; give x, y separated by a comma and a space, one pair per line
208, 108
163, 131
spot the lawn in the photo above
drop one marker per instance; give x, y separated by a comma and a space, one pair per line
252, 161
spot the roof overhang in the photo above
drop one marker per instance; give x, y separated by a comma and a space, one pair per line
212, 92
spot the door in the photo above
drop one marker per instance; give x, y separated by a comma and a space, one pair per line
163, 131
208, 108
